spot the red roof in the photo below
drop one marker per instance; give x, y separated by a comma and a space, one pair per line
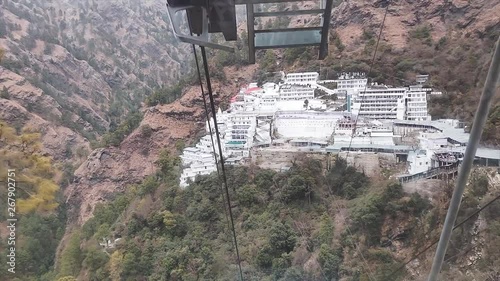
253, 89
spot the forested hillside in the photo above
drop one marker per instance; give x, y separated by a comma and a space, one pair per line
96, 59
306, 224
41, 218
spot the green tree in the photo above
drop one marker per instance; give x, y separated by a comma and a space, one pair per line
479, 185
296, 188
67, 278
330, 262
367, 216
71, 257
167, 163
146, 130
247, 195
268, 63
95, 258
5, 93
325, 234
264, 257
180, 145
49, 47
24, 152
282, 238
115, 266
149, 185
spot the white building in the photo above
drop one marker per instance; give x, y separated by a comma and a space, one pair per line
239, 134
351, 82
302, 78
307, 124
416, 105
196, 169
422, 79
293, 92
192, 154
366, 133
419, 161
197, 161
298, 86
380, 102
205, 144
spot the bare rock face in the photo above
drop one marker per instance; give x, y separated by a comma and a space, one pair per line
56, 139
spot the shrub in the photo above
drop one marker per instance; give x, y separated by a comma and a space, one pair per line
166, 95
330, 262
148, 186
264, 257
5, 93
393, 191
421, 32
282, 239
296, 188
146, 131
418, 204
123, 130
479, 185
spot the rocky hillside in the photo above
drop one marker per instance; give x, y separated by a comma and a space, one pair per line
471, 19
110, 170
26, 106
95, 59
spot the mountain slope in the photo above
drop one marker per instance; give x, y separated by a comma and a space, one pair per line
108, 170
97, 59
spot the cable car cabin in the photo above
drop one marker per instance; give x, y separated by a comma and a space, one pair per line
218, 16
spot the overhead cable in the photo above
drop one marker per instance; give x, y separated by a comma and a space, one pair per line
368, 77
211, 133
212, 105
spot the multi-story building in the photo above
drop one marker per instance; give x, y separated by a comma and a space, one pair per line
239, 133
197, 161
351, 82
298, 86
380, 102
196, 169
292, 92
416, 105
303, 78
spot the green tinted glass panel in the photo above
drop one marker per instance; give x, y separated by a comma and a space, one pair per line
283, 39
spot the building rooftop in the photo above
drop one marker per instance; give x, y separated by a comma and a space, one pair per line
482, 152
253, 89
448, 130
339, 146
488, 153
191, 149
310, 140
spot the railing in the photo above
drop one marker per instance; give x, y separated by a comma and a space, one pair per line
431, 173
